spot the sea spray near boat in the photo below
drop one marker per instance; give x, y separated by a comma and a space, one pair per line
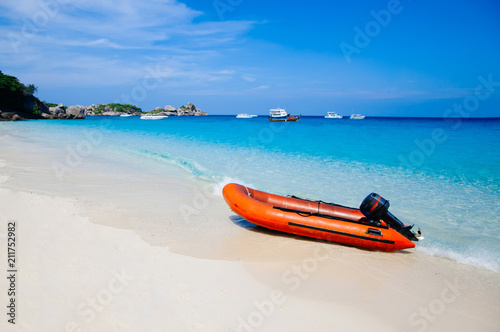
370, 227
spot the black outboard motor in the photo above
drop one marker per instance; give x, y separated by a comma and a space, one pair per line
375, 207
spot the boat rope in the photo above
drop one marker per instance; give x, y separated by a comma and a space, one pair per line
307, 214
248, 192
311, 214
320, 201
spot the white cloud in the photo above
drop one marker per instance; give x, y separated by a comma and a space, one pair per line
101, 42
105, 42
124, 22
248, 78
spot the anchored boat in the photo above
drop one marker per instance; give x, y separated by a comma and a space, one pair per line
371, 226
333, 115
279, 114
246, 116
153, 117
357, 117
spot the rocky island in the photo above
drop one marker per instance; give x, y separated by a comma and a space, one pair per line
17, 102
188, 110
119, 109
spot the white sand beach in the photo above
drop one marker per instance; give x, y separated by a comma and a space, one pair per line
109, 247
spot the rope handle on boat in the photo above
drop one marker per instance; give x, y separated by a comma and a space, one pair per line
311, 214
306, 214
300, 213
303, 214
319, 202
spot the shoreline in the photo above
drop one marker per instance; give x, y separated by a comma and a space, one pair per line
160, 252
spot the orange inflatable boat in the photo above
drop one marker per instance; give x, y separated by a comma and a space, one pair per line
370, 227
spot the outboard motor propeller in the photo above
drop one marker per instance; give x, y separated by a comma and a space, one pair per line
375, 207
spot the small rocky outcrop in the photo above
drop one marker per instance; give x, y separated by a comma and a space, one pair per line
10, 116
77, 112
56, 110
17, 100
62, 112
32, 108
189, 110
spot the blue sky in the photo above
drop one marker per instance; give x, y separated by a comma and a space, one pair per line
379, 58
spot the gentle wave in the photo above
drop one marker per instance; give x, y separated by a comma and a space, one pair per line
217, 180
189, 166
480, 258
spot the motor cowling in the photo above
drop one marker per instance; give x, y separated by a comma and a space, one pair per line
375, 207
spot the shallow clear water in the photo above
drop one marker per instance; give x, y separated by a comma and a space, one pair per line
442, 176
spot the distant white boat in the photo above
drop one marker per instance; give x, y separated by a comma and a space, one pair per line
333, 115
126, 115
357, 117
277, 113
246, 116
280, 114
153, 117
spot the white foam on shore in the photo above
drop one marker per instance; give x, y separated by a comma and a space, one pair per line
478, 258
226, 180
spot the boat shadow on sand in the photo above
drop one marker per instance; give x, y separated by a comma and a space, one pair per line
243, 223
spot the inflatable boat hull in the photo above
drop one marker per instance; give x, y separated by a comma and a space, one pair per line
313, 219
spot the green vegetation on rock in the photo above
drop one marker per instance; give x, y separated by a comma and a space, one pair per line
17, 101
122, 108
14, 94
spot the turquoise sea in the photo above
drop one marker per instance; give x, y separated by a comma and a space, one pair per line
442, 176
